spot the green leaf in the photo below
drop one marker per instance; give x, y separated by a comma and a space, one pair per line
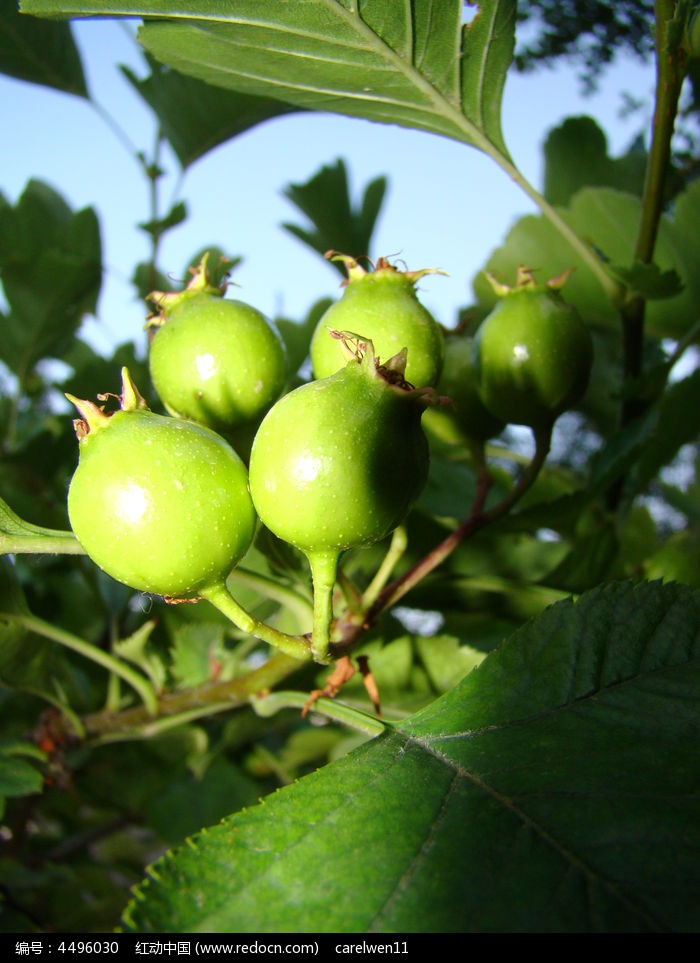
16, 536
297, 334
50, 265
337, 223
677, 424
18, 776
554, 789
176, 215
647, 280
196, 117
39, 52
184, 802
576, 156
487, 50
415, 64
28, 662
587, 564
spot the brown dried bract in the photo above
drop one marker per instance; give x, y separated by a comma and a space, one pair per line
343, 672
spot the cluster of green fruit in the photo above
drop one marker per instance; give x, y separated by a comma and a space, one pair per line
166, 505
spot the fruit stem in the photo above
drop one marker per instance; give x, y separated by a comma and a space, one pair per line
295, 645
291, 600
324, 571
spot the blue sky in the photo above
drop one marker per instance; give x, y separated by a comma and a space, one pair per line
447, 206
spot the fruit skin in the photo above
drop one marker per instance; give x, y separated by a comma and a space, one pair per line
458, 383
532, 354
381, 306
338, 462
159, 503
217, 361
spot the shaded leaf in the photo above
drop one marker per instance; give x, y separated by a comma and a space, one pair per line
185, 803
677, 424
587, 564
554, 789
50, 265
576, 156
297, 334
39, 52
337, 223
196, 117
18, 776
415, 64
647, 280
27, 662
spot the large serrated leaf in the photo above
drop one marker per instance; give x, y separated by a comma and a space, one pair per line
196, 117
392, 62
554, 789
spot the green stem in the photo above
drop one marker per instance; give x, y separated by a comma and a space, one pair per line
270, 704
61, 543
89, 651
671, 69
178, 707
295, 645
271, 589
324, 571
397, 547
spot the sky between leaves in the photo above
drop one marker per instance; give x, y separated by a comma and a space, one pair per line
447, 205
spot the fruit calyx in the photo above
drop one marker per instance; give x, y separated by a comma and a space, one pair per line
94, 417
382, 267
391, 372
525, 281
166, 301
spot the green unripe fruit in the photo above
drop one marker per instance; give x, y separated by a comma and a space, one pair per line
215, 360
382, 307
337, 463
532, 354
159, 503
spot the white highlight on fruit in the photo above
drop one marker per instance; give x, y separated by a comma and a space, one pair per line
307, 468
206, 366
132, 503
